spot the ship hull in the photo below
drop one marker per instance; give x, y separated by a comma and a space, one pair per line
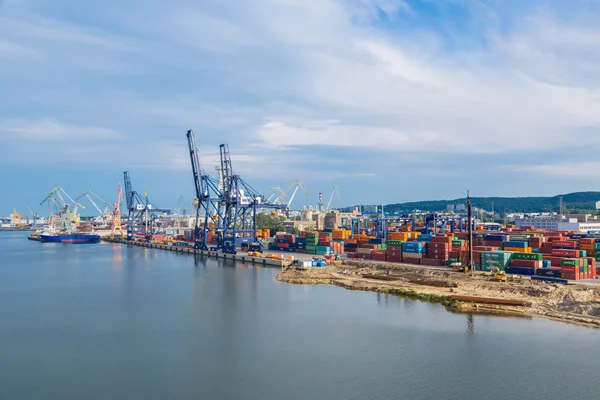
83, 238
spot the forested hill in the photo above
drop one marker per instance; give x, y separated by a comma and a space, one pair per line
579, 201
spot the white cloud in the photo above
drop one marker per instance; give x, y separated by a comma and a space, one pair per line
270, 74
43, 130
572, 170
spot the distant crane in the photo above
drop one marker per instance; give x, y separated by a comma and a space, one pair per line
138, 209
286, 199
336, 191
116, 222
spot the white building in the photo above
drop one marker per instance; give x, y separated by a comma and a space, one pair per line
558, 224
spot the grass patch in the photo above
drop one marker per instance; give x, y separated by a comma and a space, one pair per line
432, 298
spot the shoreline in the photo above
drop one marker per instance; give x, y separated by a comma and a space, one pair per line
576, 304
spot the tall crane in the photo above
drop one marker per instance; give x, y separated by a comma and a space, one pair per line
203, 186
116, 220
284, 197
228, 202
138, 210
336, 191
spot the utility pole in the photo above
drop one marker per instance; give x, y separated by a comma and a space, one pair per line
470, 218
561, 207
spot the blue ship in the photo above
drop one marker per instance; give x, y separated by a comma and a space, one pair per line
69, 238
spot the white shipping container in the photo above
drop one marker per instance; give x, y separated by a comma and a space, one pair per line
406, 254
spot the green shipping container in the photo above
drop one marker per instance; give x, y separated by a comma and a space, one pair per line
458, 242
569, 262
585, 262
527, 256
394, 242
582, 253
382, 247
520, 238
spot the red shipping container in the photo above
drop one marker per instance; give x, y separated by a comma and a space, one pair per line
394, 248
565, 253
453, 254
536, 242
587, 240
441, 239
565, 244
494, 243
442, 246
283, 245
397, 259
431, 261
569, 276
554, 261
368, 246
526, 263
411, 260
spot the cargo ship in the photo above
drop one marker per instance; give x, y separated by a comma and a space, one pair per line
69, 238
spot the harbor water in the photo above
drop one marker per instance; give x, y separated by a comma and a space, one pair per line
107, 321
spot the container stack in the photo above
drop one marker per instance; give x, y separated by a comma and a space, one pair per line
311, 242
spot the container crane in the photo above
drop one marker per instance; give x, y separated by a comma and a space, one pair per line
204, 201
336, 191
286, 199
138, 209
116, 217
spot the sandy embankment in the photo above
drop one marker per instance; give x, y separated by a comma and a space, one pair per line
569, 303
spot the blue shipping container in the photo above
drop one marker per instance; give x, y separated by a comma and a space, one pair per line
520, 270
552, 272
520, 245
495, 238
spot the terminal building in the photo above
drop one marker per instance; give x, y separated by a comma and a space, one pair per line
559, 223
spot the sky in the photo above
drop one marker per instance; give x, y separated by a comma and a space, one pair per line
394, 100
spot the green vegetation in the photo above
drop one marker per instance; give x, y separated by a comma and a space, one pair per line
432, 298
573, 203
274, 223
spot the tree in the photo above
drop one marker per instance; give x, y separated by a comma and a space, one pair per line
265, 221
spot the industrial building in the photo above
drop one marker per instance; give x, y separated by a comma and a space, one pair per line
574, 223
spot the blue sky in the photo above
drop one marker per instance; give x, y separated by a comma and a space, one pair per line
393, 100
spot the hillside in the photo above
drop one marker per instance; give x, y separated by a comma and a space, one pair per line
573, 202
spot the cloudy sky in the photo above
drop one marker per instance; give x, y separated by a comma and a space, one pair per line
395, 100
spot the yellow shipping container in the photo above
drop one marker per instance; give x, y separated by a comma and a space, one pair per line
518, 249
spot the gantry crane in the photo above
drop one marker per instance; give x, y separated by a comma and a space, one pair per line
208, 195
139, 210
229, 203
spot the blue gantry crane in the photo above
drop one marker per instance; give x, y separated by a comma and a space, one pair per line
208, 196
140, 212
230, 203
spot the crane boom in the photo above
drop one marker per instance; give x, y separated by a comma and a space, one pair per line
336, 191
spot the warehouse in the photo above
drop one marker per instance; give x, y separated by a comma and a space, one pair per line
557, 223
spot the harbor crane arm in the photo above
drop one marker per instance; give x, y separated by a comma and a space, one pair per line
50, 195
336, 191
299, 185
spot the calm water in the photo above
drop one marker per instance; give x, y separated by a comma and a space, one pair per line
110, 322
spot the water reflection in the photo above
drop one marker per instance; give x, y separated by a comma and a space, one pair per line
470, 325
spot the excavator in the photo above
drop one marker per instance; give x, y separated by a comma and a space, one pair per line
500, 276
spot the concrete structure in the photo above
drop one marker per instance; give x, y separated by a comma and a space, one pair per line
582, 217
558, 224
